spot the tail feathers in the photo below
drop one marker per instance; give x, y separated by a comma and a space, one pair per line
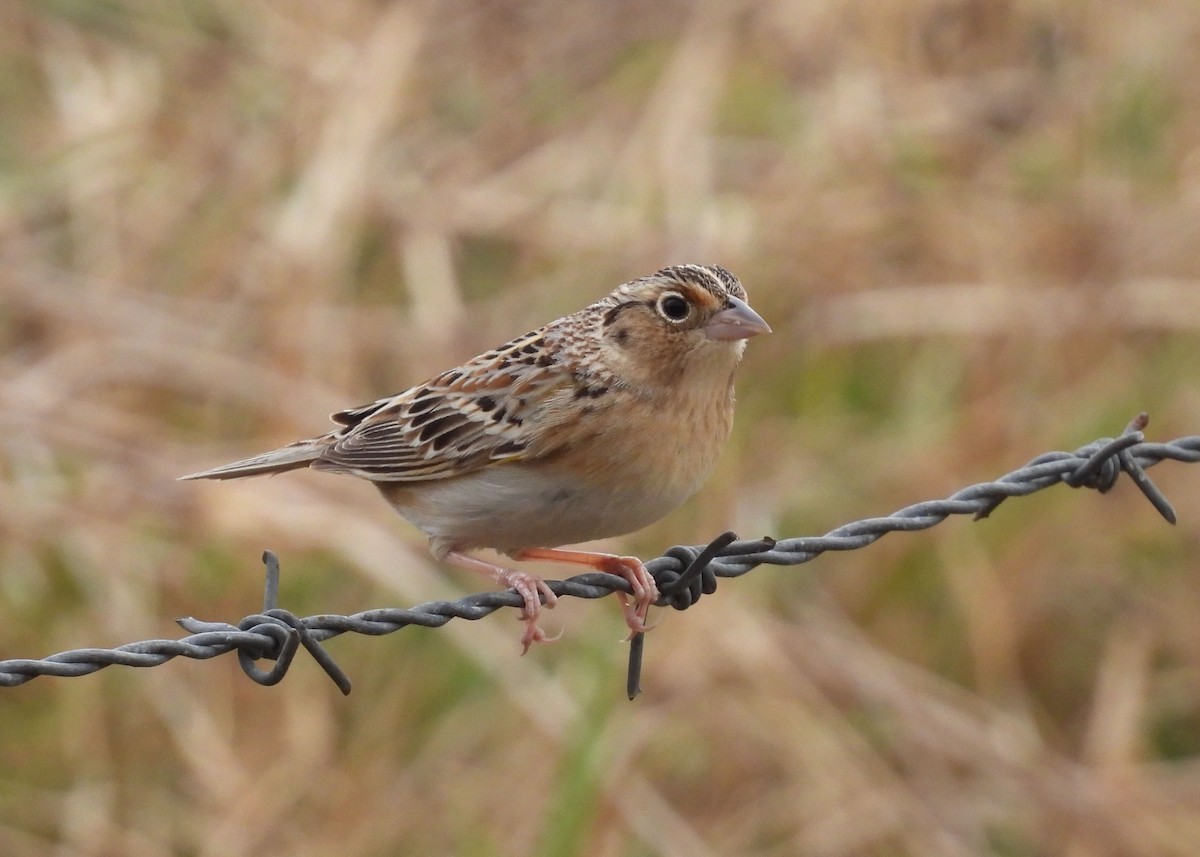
297, 455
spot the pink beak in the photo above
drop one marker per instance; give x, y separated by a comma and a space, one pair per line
737, 321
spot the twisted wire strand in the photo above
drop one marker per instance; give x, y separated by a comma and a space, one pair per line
684, 573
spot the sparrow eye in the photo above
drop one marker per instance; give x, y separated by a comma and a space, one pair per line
674, 307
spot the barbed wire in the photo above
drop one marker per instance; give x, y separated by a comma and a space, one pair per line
683, 574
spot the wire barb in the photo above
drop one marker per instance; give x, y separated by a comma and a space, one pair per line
683, 574
289, 633
271, 589
679, 586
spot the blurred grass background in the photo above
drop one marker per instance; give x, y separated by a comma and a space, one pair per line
973, 225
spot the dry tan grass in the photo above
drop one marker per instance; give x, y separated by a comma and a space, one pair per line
973, 225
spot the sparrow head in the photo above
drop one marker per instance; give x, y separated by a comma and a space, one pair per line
679, 316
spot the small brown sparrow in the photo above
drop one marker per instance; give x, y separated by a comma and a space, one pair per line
593, 426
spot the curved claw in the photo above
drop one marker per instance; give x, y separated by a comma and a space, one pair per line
635, 616
645, 590
535, 634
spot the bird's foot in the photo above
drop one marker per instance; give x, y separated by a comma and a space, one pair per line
532, 589
645, 590
635, 609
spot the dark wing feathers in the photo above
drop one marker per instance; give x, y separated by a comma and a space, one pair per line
458, 422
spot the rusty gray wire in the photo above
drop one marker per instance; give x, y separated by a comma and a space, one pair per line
684, 573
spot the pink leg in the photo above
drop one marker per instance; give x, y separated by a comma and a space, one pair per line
645, 591
529, 586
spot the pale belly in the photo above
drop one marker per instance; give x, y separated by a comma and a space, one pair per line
515, 506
